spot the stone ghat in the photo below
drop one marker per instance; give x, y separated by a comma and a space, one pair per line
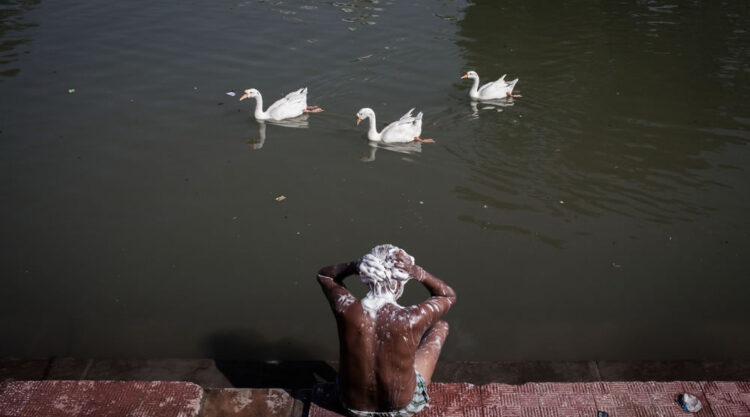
617, 399
185, 399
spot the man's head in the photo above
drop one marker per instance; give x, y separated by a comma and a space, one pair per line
379, 270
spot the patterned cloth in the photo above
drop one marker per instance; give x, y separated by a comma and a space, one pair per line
417, 403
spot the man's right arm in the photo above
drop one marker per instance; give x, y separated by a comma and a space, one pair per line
331, 279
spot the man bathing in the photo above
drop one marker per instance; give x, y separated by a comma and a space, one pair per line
387, 353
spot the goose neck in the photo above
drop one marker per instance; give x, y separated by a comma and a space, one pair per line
474, 92
372, 133
259, 113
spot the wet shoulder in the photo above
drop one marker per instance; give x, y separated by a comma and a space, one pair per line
344, 304
393, 315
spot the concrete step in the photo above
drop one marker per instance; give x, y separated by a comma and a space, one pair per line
100, 399
146, 399
720, 399
256, 402
185, 399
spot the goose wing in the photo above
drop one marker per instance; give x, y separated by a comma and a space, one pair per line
498, 88
290, 105
299, 96
403, 129
493, 87
407, 115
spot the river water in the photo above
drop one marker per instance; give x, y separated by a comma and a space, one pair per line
603, 215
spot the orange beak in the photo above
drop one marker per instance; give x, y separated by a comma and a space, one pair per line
244, 96
465, 75
358, 120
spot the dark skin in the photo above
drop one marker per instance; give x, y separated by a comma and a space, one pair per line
380, 350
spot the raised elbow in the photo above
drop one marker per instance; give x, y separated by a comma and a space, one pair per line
325, 273
449, 293
451, 298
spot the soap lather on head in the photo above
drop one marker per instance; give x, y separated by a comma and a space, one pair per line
379, 269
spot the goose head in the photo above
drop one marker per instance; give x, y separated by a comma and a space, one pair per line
250, 92
470, 74
364, 113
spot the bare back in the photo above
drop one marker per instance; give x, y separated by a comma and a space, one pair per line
377, 356
378, 346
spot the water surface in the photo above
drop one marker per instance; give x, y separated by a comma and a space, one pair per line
601, 216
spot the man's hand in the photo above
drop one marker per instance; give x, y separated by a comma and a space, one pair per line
404, 262
339, 272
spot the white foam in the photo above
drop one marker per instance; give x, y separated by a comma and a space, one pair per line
380, 264
344, 301
372, 303
378, 270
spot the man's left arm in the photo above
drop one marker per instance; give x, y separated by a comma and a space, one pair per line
442, 297
331, 280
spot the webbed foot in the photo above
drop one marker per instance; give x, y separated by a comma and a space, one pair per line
418, 139
312, 109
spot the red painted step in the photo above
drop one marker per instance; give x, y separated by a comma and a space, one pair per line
618, 399
100, 399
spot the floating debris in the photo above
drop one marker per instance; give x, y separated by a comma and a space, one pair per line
689, 403
280, 198
231, 93
71, 90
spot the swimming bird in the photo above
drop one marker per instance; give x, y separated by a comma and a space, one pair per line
292, 105
492, 90
406, 129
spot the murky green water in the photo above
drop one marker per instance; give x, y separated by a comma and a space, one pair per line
601, 216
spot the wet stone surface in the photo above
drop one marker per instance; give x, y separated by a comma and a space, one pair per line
257, 402
101, 399
566, 399
285, 388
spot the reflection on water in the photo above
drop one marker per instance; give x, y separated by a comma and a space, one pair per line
300, 122
14, 33
353, 14
362, 12
257, 143
409, 148
492, 105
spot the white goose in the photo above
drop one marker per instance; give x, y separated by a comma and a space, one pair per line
406, 129
292, 105
492, 90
